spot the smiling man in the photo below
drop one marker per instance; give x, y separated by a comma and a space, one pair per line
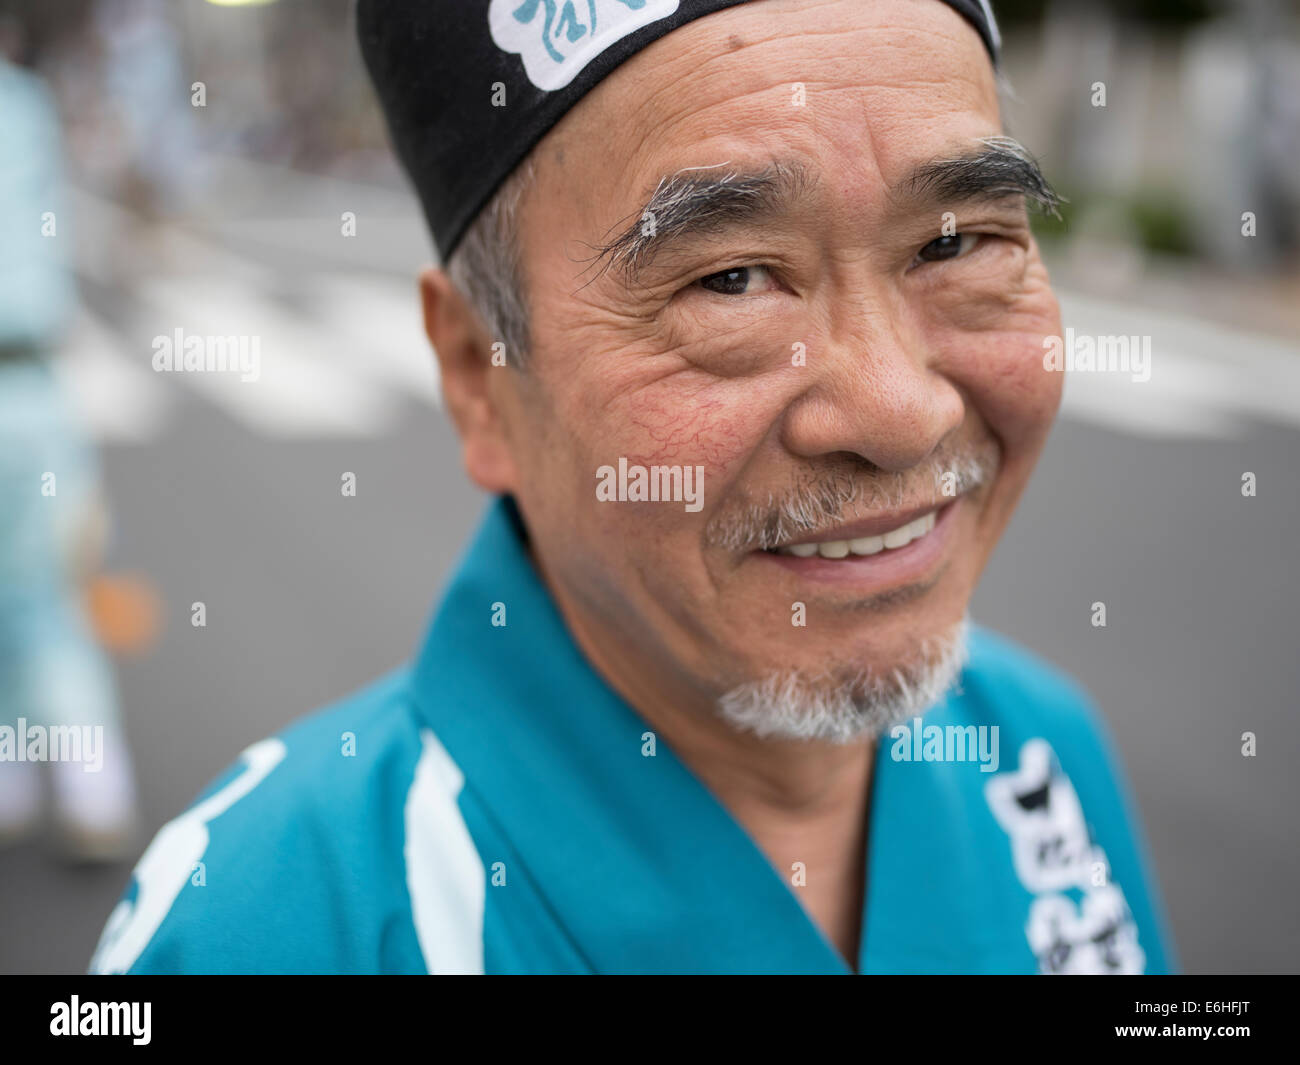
743, 326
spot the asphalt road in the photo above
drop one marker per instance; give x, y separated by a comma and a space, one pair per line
310, 594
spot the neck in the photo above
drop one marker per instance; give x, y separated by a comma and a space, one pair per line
802, 802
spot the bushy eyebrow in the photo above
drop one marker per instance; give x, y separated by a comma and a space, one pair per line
1000, 166
694, 202
702, 200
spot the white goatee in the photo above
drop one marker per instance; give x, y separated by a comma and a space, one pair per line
804, 705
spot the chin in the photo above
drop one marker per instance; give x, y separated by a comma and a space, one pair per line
849, 702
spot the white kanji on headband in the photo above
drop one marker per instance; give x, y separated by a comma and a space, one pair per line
557, 38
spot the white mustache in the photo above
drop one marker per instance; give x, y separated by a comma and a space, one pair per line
828, 501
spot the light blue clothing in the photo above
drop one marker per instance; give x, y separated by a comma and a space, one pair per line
492, 808
52, 672
36, 286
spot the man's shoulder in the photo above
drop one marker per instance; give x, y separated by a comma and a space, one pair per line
336, 748
292, 859
335, 762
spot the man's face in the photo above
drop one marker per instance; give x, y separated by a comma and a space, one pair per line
823, 359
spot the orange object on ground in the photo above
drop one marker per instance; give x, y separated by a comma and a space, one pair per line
125, 612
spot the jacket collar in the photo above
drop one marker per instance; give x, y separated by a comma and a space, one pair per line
644, 869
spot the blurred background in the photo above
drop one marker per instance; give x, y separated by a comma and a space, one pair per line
222, 168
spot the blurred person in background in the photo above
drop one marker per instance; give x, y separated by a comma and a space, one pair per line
140, 71
53, 674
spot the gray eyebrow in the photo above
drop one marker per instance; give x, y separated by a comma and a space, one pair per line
692, 201
1001, 166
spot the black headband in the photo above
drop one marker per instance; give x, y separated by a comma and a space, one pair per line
436, 65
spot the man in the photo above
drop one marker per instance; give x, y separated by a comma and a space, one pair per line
743, 324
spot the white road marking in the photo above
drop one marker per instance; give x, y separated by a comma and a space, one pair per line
1206, 380
380, 329
300, 391
118, 401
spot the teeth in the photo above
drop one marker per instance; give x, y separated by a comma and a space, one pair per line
865, 545
899, 537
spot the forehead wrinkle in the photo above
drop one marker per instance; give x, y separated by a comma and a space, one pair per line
698, 84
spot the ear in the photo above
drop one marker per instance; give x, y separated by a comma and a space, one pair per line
471, 384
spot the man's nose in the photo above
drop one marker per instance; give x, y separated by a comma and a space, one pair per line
875, 391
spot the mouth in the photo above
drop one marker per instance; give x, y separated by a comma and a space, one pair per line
875, 554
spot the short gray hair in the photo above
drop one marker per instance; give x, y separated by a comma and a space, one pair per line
486, 268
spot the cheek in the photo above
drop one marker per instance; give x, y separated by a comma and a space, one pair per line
1011, 390
666, 427
1000, 367
681, 418
659, 408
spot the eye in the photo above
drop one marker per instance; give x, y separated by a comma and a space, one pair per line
949, 247
738, 281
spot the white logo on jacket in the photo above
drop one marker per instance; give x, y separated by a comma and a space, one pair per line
557, 38
166, 866
1053, 851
